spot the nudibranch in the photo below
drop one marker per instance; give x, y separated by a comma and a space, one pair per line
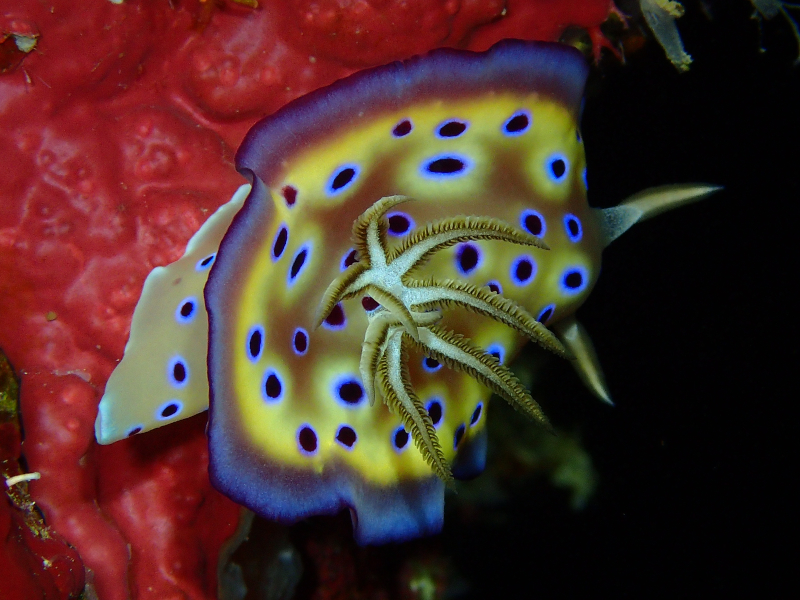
349, 312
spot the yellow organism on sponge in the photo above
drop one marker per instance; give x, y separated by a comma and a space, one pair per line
405, 231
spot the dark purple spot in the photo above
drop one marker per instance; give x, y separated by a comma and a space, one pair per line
476, 414
336, 317
136, 430
558, 167
577, 135
273, 387
435, 412
399, 224
400, 438
452, 129
517, 123
298, 263
573, 226
342, 178
495, 287
467, 256
307, 439
280, 242
369, 303
459, 435
351, 258
573, 279
346, 436
300, 341
445, 166
168, 411
351, 392
431, 364
187, 309
523, 270
545, 315
254, 343
179, 372
402, 129
533, 223
207, 260
289, 194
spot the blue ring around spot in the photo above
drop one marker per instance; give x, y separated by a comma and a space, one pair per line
551, 308
497, 283
307, 247
411, 224
457, 439
270, 399
395, 431
199, 266
161, 409
428, 369
467, 162
440, 402
570, 218
498, 349
522, 131
513, 273
336, 386
329, 191
460, 249
480, 407
302, 450
277, 257
529, 212
254, 329
191, 316
294, 335
570, 291
342, 266
342, 444
450, 137
171, 372
549, 169
132, 430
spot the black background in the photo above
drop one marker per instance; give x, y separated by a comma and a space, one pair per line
693, 320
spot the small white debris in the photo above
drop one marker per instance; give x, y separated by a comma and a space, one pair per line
20, 478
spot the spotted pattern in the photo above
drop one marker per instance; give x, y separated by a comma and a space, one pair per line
573, 227
168, 411
255, 343
557, 167
279, 245
451, 128
400, 439
178, 372
468, 258
300, 341
523, 270
342, 179
205, 263
445, 166
574, 280
533, 222
517, 124
347, 391
307, 441
186, 311
272, 388
299, 262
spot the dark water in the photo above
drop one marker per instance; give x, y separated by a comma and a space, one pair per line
694, 322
